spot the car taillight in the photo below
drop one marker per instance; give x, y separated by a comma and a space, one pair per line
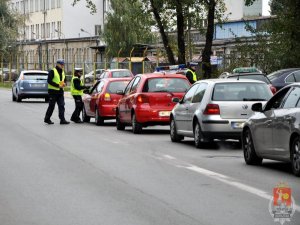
142, 99
273, 89
212, 109
107, 97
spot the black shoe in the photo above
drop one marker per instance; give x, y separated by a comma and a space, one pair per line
64, 122
48, 121
78, 121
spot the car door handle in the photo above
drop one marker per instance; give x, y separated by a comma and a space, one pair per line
288, 118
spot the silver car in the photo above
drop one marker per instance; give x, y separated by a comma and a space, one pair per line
216, 109
273, 132
31, 84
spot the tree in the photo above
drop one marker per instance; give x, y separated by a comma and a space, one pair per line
8, 26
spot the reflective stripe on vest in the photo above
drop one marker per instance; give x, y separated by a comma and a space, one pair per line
56, 79
194, 75
74, 91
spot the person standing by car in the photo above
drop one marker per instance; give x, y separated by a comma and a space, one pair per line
77, 91
191, 74
56, 83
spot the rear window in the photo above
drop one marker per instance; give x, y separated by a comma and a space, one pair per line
166, 85
117, 74
252, 77
35, 76
115, 86
241, 92
276, 74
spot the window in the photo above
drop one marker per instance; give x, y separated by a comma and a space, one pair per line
199, 93
47, 4
297, 76
31, 6
117, 74
276, 101
127, 89
58, 3
100, 87
115, 86
135, 85
290, 78
37, 31
53, 4
97, 30
189, 95
293, 99
42, 4
37, 8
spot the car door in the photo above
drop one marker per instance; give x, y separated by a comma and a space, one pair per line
123, 110
263, 129
195, 105
182, 109
284, 121
96, 91
130, 101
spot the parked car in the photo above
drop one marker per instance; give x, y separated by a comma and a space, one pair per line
246, 70
7, 74
116, 73
90, 77
281, 78
31, 84
273, 132
101, 101
147, 100
254, 76
216, 109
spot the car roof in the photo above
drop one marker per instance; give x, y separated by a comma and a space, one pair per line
245, 74
114, 70
158, 74
222, 80
117, 79
34, 71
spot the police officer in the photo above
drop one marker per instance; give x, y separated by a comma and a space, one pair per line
190, 74
77, 91
56, 84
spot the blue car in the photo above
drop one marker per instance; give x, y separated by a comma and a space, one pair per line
281, 78
31, 84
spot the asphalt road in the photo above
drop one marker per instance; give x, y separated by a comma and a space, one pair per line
81, 174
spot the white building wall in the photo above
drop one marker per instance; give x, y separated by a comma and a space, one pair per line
234, 9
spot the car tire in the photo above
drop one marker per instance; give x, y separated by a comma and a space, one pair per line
119, 124
173, 132
295, 156
136, 126
198, 135
87, 80
98, 119
85, 117
248, 148
18, 98
13, 97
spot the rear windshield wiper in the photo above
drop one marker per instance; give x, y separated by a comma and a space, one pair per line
254, 99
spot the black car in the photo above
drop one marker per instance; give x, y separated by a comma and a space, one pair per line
281, 78
253, 76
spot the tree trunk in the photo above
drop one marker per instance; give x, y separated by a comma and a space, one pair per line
180, 32
206, 65
164, 37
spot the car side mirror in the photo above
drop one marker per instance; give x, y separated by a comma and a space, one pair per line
175, 100
120, 92
257, 107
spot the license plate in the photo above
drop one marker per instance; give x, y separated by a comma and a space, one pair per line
164, 113
37, 85
237, 125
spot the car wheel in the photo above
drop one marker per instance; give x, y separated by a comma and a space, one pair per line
295, 156
18, 98
98, 119
13, 97
248, 148
198, 136
85, 117
119, 124
136, 126
173, 132
87, 80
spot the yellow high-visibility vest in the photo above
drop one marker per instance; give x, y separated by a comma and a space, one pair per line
74, 91
56, 79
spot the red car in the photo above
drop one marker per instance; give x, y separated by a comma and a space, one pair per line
116, 73
101, 101
147, 100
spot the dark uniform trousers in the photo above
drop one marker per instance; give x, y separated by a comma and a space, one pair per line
60, 100
78, 108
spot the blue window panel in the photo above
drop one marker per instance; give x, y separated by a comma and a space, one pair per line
233, 30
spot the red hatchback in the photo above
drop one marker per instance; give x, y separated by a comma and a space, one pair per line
147, 100
101, 101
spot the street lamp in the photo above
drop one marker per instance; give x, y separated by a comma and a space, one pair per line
60, 33
84, 31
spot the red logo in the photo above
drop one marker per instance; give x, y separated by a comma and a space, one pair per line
282, 195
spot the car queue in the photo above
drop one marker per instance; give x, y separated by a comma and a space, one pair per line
267, 126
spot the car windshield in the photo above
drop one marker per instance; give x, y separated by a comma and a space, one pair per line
35, 76
124, 73
162, 84
252, 77
241, 92
115, 86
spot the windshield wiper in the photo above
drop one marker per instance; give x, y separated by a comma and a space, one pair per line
254, 99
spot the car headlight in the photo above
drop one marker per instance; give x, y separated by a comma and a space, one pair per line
21, 88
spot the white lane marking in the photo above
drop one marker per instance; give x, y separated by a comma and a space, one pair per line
223, 178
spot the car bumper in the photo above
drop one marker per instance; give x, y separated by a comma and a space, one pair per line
108, 111
33, 94
153, 116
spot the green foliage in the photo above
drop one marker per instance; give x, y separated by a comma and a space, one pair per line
8, 26
89, 4
127, 24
